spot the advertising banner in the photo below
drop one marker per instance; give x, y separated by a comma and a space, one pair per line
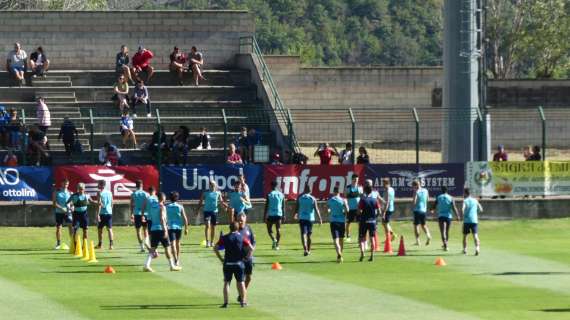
293, 179
120, 180
191, 181
25, 183
519, 178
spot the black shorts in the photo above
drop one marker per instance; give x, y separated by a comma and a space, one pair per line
352, 215
139, 221
106, 221
157, 237
211, 217
61, 218
274, 219
470, 228
234, 270
388, 217
419, 218
306, 226
337, 230
248, 267
174, 234
366, 227
80, 220
444, 219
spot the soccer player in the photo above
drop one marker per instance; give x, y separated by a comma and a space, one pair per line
238, 201
338, 207
158, 233
247, 233
210, 199
138, 199
353, 193
369, 207
388, 201
80, 202
146, 207
445, 205
104, 214
420, 202
471, 207
273, 214
175, 217
305, 212
245, 190
236, 250
62, 214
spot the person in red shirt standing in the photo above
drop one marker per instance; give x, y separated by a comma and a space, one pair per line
501, 155
141, 62
325, 153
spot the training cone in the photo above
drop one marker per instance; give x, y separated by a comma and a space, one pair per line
402, 248
203, 243
85, 256
388, 245
64, 247
276, 266
376, 242
109, 269
440, 262
72, 246
78, 251
92, 258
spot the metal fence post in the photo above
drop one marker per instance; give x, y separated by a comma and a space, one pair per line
24, 140
481, 135
159, 147
353, 134
290, 130
92, 136
543, 121
417, 120
225, 121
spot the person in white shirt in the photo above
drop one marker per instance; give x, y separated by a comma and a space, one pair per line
345, 156
16, 63
43, 115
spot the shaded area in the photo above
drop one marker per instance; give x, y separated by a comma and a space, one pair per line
556, 310
523, 273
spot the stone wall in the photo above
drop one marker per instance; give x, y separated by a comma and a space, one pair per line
90, 40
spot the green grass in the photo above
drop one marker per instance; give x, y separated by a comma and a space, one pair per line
522, 273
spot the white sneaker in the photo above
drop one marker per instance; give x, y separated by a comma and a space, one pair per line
176, 268
148, 115
147, 269
58, 247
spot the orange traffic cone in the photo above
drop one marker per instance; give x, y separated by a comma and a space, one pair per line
388, 245
376, 242
109, 269
440, 262
402, 249
276, 266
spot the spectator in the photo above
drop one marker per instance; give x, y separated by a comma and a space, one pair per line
362, 156
276, 159
109, 155
196, 64
38, 146
122, 63
14, 129
121, 93
180, 145
4, 121
127, 130
325, 153
154, 143
241, 142
43, 115
141, 62
345, 156
233, 156
204, 139
252, 141
140, 96
177, 62
298, 158
39, 63
501, 155
10, 159
527, 152
16, 64
535, 156
68, 133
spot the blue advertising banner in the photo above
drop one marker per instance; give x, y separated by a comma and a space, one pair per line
191, 181
25, 183
431, 176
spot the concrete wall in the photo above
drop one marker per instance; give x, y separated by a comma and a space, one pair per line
42, 214
90, 40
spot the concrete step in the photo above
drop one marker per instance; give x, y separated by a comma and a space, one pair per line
51, 77
48, 84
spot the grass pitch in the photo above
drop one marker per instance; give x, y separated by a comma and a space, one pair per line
522, 273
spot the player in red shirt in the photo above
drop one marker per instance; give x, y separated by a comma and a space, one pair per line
141, 62
325, 153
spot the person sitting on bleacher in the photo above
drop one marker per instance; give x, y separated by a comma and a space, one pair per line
140, 96
141, 63
14, 129
241, 142
4, 120
154, 143
109, 155
196, 60
177, 61
16, 64
233, 156
128, 130
10, 159
39, 63
204, 140
38, 146
121, 93
180, 145
122, 63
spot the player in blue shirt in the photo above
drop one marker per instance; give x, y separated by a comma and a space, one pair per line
369, 206
420, 203
80, 201
274, 213
306, 208
471, 208
151, 198
210, 200
104, 214
247, 233
176, 218
62, 211
239, 201
388, 201
445, 206
338, 207
237, 249
138, 199
353, 194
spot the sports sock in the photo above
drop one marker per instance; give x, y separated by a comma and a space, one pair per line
58, 242
172, 263
148, 260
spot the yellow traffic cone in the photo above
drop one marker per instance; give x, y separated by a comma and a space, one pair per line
92, 258
72, 246
85, 256
78, 251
